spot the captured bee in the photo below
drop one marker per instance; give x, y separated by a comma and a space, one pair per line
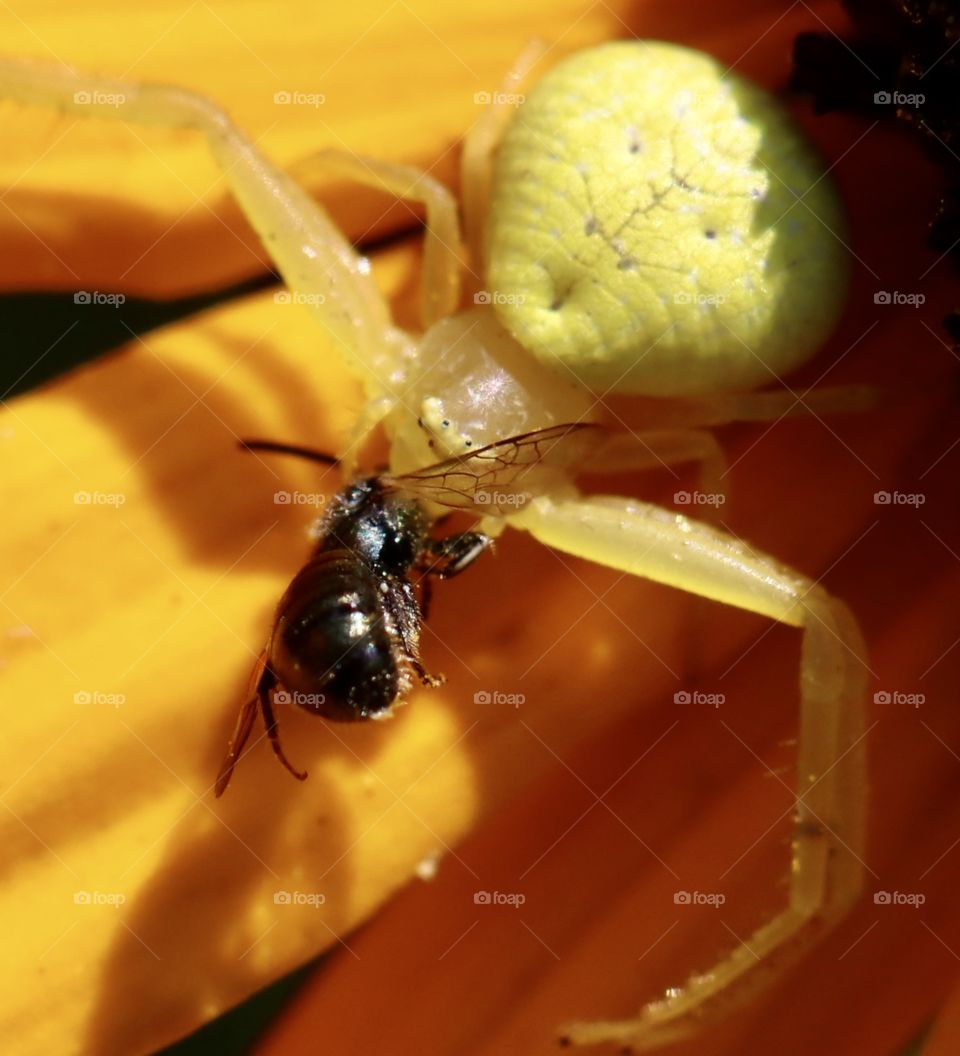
345, 641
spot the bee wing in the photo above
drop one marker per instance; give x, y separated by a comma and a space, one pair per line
501, 477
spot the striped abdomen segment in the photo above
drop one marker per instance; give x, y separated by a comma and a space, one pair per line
331, 647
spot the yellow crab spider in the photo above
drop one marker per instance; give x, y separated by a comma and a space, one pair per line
650, 225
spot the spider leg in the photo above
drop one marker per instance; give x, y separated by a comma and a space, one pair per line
371, 415
827, 867
662, 448
721, 408
440, 276
479, 147
313, 257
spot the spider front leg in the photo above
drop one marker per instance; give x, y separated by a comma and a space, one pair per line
440, 278
314, 259
663, 448
442, 248
829, 831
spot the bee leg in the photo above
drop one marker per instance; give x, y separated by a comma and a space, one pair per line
406, 614
424, 675
458, 551
245, 720
444, 559
454, 553
244, 725
426, 594
265, 690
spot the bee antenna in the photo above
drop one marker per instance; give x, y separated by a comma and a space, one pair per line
277, 448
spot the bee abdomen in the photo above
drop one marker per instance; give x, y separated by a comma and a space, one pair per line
331, 646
